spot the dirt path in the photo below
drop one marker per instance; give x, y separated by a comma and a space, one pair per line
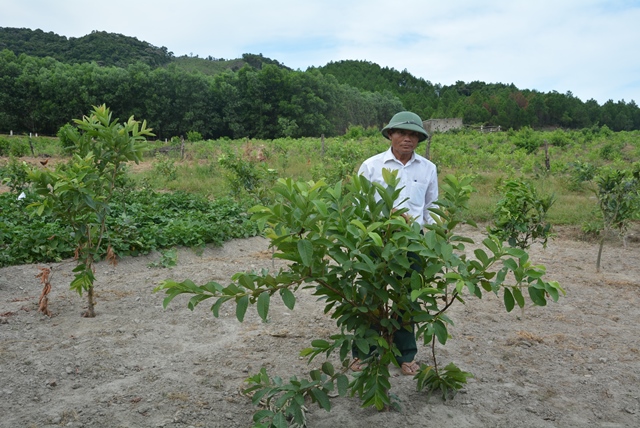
571, 364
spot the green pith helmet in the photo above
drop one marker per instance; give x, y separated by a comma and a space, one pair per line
406, 120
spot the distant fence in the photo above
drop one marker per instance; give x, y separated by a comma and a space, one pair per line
486, 129
442, 125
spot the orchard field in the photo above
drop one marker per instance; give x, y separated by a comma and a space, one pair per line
569, 364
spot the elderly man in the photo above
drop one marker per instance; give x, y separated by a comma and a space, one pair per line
419, 179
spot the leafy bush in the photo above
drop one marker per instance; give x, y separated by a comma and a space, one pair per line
351, 249
520, 216
527, 139
15, 175
194, 136
340, 161
140, 222
15, 146
67, 135
165, 167
248, 175
618, 193
79, 193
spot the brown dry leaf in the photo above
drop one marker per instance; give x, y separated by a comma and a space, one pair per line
111, 257
43, 302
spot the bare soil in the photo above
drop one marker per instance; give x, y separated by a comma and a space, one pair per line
574, 363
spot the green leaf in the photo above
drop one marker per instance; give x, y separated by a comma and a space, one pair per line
511, 264
440, 331
280, 421
319, 343
509, 302
305, 249
288, 298
482, 256
491, 245
321, 207
322, 398
363, 346
376, 239
517, 294
537, 296
515, 252
327, 368
263, 305
242, 303
343, 385
262, 414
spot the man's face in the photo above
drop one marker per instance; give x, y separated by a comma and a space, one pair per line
403, 142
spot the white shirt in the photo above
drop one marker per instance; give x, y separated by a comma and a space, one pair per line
418, 178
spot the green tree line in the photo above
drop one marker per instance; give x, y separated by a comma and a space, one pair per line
483, 103
45, 79
41, 94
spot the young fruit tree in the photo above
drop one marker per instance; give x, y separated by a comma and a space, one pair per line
520, 216
376, 275
78, 193
618, 193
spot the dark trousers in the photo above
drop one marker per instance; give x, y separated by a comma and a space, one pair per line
404, 340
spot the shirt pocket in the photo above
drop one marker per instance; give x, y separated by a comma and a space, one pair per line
417, 192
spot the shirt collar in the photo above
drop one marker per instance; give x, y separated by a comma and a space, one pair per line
389, 157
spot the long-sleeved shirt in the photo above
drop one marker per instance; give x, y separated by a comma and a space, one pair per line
418, 178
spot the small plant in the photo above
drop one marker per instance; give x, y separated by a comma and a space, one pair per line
520, 216
350, 247
248, 175
581, 172
64, 134
340, 161
618, 193
79, 193
168, 259
194, 136
15, 175
165, 167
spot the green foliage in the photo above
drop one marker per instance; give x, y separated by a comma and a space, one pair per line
581, 172
448, 380
248, 175
67, 135
50, 78
618, 193
139, 222
285, 402
349, 246
99, 46
340, 161
15, 175
520, 217
194, 136
79, 193
14, 147
526, 139
168, 259
165, 167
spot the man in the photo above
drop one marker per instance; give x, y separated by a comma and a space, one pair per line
419, 179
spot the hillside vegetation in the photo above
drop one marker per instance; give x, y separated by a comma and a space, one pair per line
48, 79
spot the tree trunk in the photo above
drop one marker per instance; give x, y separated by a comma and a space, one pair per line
600, 253
90, 312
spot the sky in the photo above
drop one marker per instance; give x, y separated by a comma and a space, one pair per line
590, 48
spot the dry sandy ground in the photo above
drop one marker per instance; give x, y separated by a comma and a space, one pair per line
575, 363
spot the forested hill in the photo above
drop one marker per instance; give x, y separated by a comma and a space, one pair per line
107, 49
111, 49
47, 79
